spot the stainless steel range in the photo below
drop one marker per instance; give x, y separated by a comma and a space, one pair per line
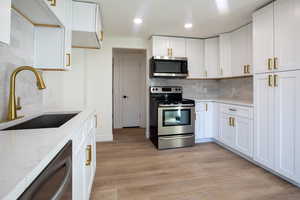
172, 119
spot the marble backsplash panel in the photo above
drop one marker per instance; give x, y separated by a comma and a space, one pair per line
191, 88
20, 52
241, 88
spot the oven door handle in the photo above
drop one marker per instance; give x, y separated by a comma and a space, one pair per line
179, 108
176, 138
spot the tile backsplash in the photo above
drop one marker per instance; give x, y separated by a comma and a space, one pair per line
241, 88
20, 52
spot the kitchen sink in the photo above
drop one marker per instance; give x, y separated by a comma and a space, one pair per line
43, 121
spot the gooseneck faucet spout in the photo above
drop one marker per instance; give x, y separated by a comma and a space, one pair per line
12, 106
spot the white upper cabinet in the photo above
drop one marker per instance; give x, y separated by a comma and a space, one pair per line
68, 33
287, 31
178, 47
276, 37
287, 127
263, 39
241, 51
168, 46
195, 55
211, 55
160, 46
87, 25
225, 54
5, 21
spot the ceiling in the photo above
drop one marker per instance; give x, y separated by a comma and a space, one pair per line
167, 17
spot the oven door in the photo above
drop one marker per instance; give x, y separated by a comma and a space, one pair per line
176, 120
176, 67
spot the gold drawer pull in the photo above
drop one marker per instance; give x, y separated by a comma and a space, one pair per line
68, 60
270, 64
248, 69
275, 80
230, 123
89, 155
270, 80
245, 69
275, 63
233, 121
52, 2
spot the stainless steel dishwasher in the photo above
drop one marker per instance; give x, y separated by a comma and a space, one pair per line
55, 181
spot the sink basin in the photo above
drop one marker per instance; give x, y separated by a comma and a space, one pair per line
43, 121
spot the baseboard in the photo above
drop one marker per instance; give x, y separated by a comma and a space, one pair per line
204, 140
104, 137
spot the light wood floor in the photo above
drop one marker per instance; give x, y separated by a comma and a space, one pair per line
130, 168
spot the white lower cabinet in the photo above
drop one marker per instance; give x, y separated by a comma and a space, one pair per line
205, 126
84, 160
236, 128
277, 118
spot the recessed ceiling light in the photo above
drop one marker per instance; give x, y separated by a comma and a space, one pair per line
188, 25
138, 21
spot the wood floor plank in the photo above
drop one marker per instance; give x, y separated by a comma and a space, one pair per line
130, 168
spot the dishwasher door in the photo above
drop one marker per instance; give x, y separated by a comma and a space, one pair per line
55, 181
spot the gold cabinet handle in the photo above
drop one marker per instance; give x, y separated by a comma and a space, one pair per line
206, 107
171, 52
230, 123
68, 60
233, 121
275, 63
52, 2
88, 155
275, 80
270, 80
101, 36
270, 64
248, 69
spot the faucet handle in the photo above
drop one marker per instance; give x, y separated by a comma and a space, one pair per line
18, 106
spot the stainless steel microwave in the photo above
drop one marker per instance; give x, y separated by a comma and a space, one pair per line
168, 67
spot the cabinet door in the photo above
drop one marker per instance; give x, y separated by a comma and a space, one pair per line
195, 55
78, 176
160, 46
287, 124
244, 135
263, 121
200, 125
212, 57
225, 55
241, 50
178, 47
88, 166
227, 131
287, 31
263, 38
5, 21
68, 34
249, 47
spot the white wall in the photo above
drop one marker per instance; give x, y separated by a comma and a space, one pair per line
89, 84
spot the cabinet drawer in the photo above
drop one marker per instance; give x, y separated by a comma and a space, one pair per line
237, 110
201, 106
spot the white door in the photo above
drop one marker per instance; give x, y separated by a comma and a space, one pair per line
178, 47
212, 57
5, 21
131, 82
264, 120
287, 124
244, 135
225, 54
195, 55
227, 130
160, 46
287, 31
263, 38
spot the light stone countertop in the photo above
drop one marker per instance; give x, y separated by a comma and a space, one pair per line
237, 102
25, 153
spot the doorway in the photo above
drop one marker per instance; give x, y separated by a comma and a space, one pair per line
129, 88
